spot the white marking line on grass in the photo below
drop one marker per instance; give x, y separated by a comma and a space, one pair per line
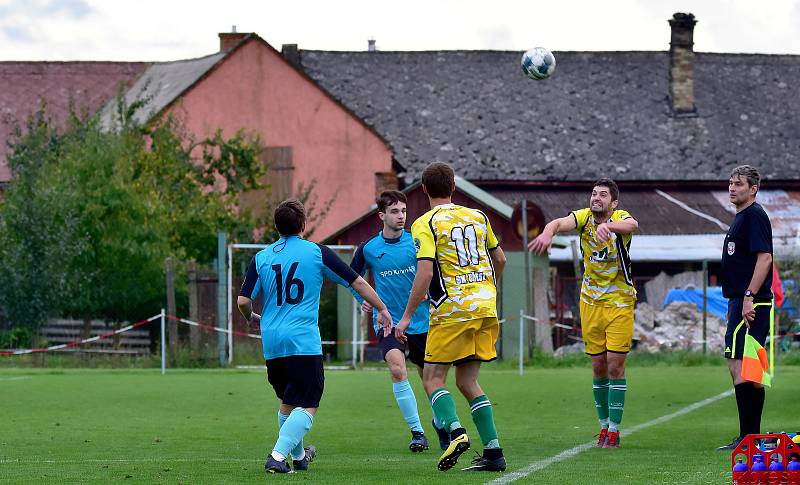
538, 465
14, 378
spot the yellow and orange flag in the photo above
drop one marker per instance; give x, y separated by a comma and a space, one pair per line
755, 363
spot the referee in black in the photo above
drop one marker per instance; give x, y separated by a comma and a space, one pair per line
746, 283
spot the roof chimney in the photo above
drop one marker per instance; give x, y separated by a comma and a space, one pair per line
291, 53
229, 40
371, 47
681, 65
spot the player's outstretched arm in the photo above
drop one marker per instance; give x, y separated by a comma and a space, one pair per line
543, 241
368, 294
246, 309
250, 289
419, 290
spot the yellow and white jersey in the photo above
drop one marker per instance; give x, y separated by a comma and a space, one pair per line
607, 276
458, 240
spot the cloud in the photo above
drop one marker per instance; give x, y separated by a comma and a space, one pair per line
38, 9
76, 9
17, 33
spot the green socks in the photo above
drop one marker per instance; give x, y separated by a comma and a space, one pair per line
600, 391
616, 401
483, 417
445, 409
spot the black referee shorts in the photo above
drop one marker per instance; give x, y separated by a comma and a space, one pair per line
759, 327
298, 380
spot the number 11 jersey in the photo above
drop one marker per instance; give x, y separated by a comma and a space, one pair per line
458, 240
288, 275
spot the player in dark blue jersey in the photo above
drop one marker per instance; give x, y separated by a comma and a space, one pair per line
391, 257
288, 276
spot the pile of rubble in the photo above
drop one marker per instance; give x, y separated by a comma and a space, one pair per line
679, 326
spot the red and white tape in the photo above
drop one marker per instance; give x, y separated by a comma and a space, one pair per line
206, 326
75, 343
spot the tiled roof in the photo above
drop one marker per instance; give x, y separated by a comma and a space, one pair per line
162, 83
25, 84
600, 113
655, 214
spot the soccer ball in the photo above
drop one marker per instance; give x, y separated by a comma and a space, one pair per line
538, 63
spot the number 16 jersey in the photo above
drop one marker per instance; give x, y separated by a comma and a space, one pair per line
458, 240
288, 276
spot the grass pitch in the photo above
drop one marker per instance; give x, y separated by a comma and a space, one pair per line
206, 426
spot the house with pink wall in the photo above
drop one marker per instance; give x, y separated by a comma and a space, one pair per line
310, 137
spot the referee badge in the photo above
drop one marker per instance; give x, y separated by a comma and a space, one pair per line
731, 248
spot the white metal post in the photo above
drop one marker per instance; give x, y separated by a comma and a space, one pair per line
163, 342
521, 338
230, 304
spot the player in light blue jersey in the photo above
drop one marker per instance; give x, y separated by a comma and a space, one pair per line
391, 257
288, 276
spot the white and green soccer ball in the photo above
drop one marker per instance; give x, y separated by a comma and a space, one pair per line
538, 63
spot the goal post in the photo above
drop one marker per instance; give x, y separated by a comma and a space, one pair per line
347, 317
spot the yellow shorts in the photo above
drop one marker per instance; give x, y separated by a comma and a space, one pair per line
456, 342
606, 328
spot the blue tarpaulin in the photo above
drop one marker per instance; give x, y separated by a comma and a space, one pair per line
717, 304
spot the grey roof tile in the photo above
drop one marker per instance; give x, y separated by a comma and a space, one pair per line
161, 84
601, 112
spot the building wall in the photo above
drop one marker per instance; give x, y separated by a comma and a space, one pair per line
257, 90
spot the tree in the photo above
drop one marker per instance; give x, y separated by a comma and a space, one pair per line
92, 212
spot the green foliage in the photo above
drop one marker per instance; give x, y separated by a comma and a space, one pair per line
16, 338
93, 211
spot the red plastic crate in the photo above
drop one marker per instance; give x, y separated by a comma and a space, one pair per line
784, 450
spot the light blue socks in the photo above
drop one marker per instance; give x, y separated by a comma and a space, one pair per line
292, 430
408, 404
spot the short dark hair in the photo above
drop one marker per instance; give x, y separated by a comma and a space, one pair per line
610, 185
439, 180
290, 216
390, 197
749, 173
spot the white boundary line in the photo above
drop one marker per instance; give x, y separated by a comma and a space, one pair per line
538, 465
14, 378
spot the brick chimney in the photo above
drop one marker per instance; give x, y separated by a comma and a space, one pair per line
291, 53
371, 47
386, 181
681, 65
229, 40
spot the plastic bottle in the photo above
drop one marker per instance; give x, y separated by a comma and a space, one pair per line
740, 474
758, 472
793, 471
775, 471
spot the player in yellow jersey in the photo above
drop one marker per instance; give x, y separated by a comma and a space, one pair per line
458, 262
607, 296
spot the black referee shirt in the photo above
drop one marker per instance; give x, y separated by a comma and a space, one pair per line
750, 234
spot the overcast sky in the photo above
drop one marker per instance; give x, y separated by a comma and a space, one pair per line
150, 30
